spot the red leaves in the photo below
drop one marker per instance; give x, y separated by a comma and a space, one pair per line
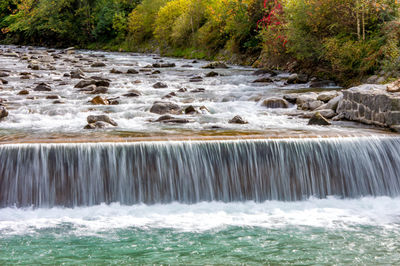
272, 20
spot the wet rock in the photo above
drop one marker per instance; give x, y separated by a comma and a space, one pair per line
318, 119
96, 125
212, 74
169, 95
34, 67
327, 96
190, 110
238, 120
23, 92
160, 85
304, 98
297, 79
4, 74
25, 77
311, 105
260, 72
145, 70
133, 93
155, 72
132, 71
84, 83
291, 98
198, 90
188, 66
89, 88
114, 71
42, 87
275, 103
214, 65
172, 120
196, 79
101, 118
58, 102
3, 81
327, 113
263, 80
322, 84
10, 54
204, 110
164, 65
53, 97
3, 112
393, 87
165, 108
98, 64
77, 74
98, 100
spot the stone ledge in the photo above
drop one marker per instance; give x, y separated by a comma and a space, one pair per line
372, 105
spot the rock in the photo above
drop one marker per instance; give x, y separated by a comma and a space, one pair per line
190, 110
42, 87
338, 117
169, 95
165, 108
304, 98
372, 79
275, 103
327, 96
96, 125
322, 84
114, 71
333, 103
84, 83
393, 87
133, 93
186, 66
98, 64
168, 65
89, 88
311, 105
291, 98
198, 90
170, 119
327, 113
212, 74
297, 79
381, 80
145, 70
160, 85
196, 79
10, 54
58, 102
98, 100
182, 90
132, 71
101, 118
23, 92
53, 97
3, 81
214, 65
263, 80
238, 120
77, 74
102, 83
34, 67
204, 110
155, 72
260, 72
4, 74
318, 119
3, 112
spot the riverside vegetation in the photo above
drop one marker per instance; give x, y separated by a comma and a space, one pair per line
345, 40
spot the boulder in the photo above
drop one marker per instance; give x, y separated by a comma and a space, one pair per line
292, 98
132, 93
114, 71
318, 119
98, 100
165, 108
96, 125
101, 118
169, 95
304, 98
212, 74
4, 74
275, 103
327, 113
196, 79
393, 87
3, 112
84, 83
77, 74
238, 120
53, 97
23, 92
311, 105
160, 85
42, 87
155, 72
297, 79
214, 65
327, 96
190, 110
98, 64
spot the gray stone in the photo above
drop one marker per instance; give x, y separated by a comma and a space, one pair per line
101, 118
275, 103
318, 119
3, 112
42, 87
165, 108
214, 65
238, 120
160, 85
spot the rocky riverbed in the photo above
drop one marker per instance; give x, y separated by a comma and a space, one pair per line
51, 94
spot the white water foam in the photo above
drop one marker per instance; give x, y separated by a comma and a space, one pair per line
331, 213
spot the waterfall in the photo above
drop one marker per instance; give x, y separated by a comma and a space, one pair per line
46, 175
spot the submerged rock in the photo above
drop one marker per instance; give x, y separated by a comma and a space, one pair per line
318, 119
238, 120
172, 120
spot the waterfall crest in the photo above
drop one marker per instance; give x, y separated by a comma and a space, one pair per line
46, 175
